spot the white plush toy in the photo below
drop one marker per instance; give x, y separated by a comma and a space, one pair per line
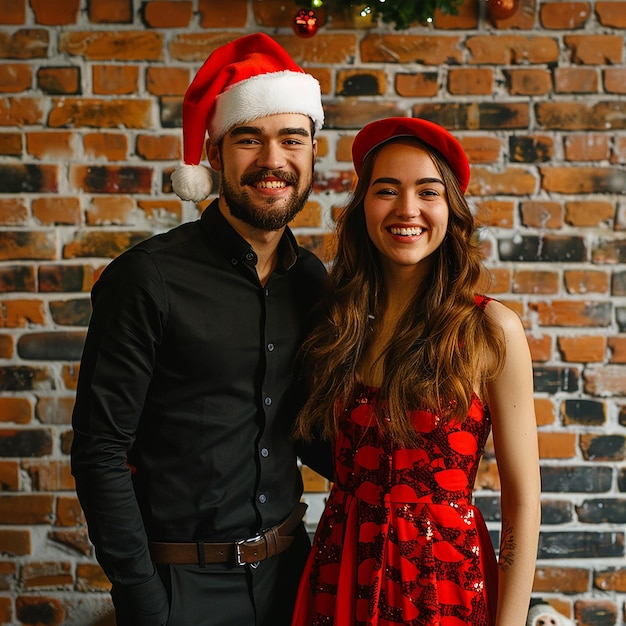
546, 615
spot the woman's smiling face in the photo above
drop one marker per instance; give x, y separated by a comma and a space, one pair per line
406, 206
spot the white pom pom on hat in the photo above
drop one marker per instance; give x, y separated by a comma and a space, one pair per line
248, 78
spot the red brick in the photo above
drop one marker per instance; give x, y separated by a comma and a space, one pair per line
115, 79
481, 148
48, 575
513, 181
26, 509
552, 579
512, 49
90, 577
586, 281
15, 410
605, 380
49, 475
232, 14
7, 347
59, 80
353, 82
595, 49
611, 579
68, 512
25, 43
57, 210
76, 539
583, 349
9, 474
13, 212
51, 608
12, 11
589, 213
11, 144
569, 313
159, 148
15, 77
76, 112
470, 81
544, 411
617, 348
576, 80
579, 180
500, 280
168, 13
112, 45
418, 84
20, 313
57, 13
614, 80
536, 282
20, 111
161, 209
557, 445
426, 49
31, 245
113, 210
587, 147
50, 144
538, 214
497, 213
167, 81
110, 11
110, 146
54, 409
540, 347
529, 82
564, 15
15, 542
611, 14
465, 19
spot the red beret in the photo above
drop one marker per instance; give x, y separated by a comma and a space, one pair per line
381, 131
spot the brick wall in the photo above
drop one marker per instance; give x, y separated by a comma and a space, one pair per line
90, 130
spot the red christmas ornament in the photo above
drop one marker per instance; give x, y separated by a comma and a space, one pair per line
501, 9
305, 23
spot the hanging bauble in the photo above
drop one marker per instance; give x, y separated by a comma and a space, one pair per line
305, 23
501, 9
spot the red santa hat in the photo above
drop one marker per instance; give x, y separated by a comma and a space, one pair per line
248, 78
381, 131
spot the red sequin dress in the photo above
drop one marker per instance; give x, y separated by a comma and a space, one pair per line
400, 541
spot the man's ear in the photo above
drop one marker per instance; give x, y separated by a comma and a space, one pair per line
213, 155
314, 150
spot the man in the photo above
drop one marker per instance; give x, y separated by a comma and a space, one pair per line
182, 457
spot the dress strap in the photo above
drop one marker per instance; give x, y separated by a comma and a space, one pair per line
482, 301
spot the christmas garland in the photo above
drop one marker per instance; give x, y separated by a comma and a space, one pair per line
401, 13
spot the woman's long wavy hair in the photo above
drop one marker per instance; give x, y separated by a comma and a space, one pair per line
444, 347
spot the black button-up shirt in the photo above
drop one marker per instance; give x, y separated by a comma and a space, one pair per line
183, 406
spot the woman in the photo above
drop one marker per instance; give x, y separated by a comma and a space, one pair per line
408, 373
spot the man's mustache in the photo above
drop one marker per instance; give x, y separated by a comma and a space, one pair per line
255, 177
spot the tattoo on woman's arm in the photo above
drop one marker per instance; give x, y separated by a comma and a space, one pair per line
507, 546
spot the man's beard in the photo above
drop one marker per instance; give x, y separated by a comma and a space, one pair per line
266, 217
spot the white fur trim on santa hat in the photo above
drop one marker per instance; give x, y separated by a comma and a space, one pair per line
266, 94
546, 615
191, 182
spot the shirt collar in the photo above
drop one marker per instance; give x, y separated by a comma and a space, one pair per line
236, 248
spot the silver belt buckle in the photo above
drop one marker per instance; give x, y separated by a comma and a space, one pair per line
238, 555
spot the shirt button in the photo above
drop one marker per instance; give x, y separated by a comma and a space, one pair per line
270, 347
265, 452
268, 401
262, 498
250, 256
234, 261
267, 292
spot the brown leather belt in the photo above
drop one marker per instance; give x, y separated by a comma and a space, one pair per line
258, 548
